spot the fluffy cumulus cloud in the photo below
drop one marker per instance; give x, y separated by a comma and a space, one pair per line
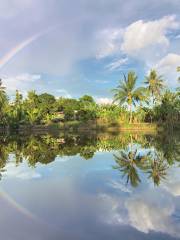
142, 34
109, 42
167, 66
149, 42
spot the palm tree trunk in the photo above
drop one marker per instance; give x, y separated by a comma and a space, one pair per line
130, 108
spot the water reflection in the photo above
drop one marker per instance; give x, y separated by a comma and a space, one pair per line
152, 154
90, 186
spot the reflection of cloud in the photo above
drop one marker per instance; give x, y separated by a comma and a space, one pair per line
150, 210
62, 159
22, 172
113, 208
147, 214
172, 185
120, 186
173, 188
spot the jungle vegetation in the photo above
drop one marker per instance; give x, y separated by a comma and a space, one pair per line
152, 102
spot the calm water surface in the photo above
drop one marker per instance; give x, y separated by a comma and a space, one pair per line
93, 186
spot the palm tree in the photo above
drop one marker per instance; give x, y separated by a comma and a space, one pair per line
126, 92
178, 70
155, 84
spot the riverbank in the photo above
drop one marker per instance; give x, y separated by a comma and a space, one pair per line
91, 125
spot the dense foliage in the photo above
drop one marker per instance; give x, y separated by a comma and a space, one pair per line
151, 102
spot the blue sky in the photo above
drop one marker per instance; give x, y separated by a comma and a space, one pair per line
71, 48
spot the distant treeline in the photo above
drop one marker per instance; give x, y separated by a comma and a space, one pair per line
151, 102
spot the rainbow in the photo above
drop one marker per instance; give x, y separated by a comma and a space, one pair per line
17, 206
14, 51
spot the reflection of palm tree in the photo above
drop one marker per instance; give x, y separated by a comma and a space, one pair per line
158, 168
127, 162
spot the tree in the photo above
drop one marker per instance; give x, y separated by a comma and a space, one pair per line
178, 70
127, 93
32, 107
169, 109
155, 84
86, 99
17, 108
47, 106
3, 103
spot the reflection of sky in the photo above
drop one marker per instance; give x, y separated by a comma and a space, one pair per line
73, 198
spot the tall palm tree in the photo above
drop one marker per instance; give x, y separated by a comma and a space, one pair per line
127, 93
155, 84
178, 70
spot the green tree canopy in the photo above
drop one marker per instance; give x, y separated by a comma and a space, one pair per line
127, 93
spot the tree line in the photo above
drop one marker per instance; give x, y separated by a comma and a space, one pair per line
150, 102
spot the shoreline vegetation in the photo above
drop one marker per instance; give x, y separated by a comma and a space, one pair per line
151, 107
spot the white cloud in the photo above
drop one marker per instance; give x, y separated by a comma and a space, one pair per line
109, 42
22, 82
116, 64
104, 100
141, 34
167, 66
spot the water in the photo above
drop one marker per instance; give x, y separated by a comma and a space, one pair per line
91, 186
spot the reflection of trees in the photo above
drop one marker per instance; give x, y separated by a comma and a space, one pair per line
169, 144
87, 152
158, 168
130, 160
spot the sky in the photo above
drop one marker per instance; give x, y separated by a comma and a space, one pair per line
72, 48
